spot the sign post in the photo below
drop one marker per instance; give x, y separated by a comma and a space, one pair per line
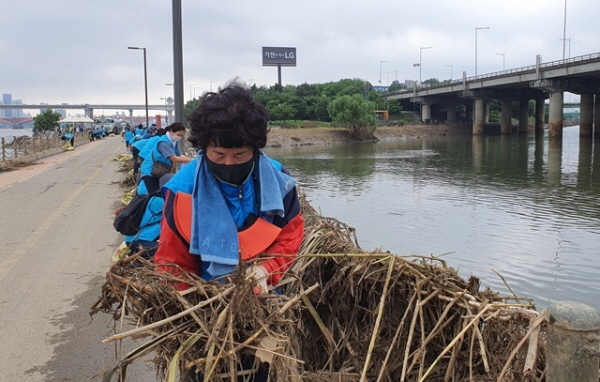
278, 56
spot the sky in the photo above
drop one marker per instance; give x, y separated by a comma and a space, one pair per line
75, 51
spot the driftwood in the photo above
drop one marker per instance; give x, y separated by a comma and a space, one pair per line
342, 315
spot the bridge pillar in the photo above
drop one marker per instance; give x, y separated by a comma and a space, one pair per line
597, 117
523, 115
425, 112
89, 112
479, 120
451, 114
539, 116
586, 115
555, 119
469, 111
505, 116
131, 118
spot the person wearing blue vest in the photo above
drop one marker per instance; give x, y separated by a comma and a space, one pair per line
127, 135
232, 208
138, 146
149, 229
139, 129
69, 137
164, 151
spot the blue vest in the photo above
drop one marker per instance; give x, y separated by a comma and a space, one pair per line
153, 154
128, 135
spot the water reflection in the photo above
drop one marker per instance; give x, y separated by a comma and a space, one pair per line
525, 207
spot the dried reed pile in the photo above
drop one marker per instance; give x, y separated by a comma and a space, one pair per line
126, 165
343, 315
14, 164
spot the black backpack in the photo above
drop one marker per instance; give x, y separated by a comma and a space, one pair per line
128, 219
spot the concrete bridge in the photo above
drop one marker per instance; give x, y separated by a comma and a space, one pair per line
89, 108
578, 75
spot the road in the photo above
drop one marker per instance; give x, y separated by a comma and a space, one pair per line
57, 240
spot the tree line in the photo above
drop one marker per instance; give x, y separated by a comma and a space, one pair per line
349, 103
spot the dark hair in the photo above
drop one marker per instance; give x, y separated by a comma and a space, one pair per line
229, 118
175, 127
160, 132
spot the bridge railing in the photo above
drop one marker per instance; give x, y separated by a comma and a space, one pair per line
509, 72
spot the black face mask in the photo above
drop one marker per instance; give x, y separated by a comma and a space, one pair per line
233, 173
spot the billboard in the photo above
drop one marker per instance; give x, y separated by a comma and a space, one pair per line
272, 56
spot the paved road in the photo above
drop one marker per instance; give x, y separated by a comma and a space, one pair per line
56, 240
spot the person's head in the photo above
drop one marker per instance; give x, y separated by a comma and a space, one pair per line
176, 131
160, 132
229, 119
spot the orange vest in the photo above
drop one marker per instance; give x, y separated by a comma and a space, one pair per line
253, 240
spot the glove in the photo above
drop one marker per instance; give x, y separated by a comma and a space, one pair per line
259, 275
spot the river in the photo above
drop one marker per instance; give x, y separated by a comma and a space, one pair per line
8, 134
514, 205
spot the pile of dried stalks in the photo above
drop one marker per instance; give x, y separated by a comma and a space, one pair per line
126, 165
14, 164
344, 315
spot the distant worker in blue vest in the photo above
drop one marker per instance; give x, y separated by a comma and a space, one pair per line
127, 135
137, 147
162, 153
146, 238
139, 129
69, 137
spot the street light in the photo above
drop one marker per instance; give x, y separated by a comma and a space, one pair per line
476, 29
450, 71
503, 61
145, 80
380, 67
196, 87
166, 110
565, 32
420, 61
192, 87
569, 40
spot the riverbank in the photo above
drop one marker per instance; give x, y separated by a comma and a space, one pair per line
279, 137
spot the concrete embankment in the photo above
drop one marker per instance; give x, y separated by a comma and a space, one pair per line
57, 240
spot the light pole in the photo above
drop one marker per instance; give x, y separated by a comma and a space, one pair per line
380, 68
145, 80
476, 29
450, 71
565, 31
196, 87
388, 78
503, 61
211, 82
192, 87
166, 110
569, 40
420, 59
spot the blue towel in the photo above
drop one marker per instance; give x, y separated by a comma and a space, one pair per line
214, 232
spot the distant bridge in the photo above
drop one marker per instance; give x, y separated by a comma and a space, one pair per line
579, 75
89, 108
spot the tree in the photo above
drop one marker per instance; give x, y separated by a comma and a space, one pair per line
355, 114
280, 111
46, 121
190, 106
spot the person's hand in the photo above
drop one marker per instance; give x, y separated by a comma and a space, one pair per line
259, 275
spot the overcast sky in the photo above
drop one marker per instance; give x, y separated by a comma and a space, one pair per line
75, 51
